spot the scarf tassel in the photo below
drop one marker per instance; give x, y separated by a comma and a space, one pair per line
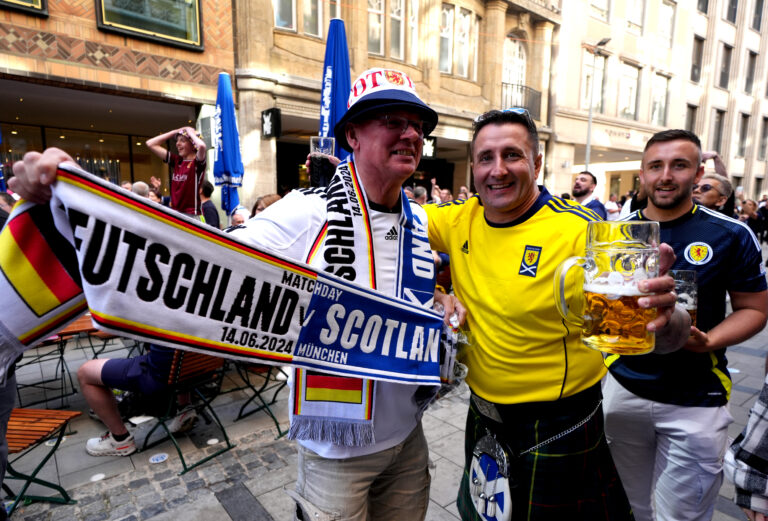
346, 433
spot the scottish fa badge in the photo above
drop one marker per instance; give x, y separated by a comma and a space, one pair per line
530, 263
698, 253
489, 481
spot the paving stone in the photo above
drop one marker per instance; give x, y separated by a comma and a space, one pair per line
240, 504
194, 485
165, 474
101, 516
152, 511
87, 500
137, 483
176, 502
169, 483
148, 499
93, 508
175, 493
116, 500
122, 511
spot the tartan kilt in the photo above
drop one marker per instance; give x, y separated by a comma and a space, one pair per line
570, 478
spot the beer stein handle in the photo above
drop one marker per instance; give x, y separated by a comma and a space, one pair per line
560, 289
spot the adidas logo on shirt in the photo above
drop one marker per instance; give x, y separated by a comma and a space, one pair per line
391, 234
465, 247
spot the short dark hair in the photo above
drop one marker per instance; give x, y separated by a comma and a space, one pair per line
207, 188
674, 134
501, 117
8, 198
590, 174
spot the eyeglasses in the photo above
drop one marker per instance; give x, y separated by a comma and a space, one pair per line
704, 188
401, 124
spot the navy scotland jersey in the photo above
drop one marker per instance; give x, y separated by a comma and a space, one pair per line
726, 257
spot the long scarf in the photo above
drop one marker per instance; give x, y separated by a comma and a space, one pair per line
336, 409
147, 272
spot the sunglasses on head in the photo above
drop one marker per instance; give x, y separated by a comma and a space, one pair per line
704, 188
514, 110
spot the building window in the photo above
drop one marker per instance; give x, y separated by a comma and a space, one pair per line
725, 66
635, 14
458, 40
312, 18
396, 30
718, 122
696, 59
376, 26
35, 7
593, 68
628, 89
757, 16
703, 6
334, 8
732, 6
413, 31
285, 14
660, 95
599, 9
387, 31
171, 23
758, 186
743, 129
763, 140
691, 111
667, 22
750, 73
446, 38
463, 37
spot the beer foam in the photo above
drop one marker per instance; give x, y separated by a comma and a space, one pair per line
614, 289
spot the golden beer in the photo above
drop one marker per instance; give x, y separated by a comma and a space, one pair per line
692, 312
615, 323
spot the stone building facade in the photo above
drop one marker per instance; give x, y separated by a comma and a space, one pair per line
465, 57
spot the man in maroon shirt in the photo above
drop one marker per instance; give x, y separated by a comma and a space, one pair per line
187, 167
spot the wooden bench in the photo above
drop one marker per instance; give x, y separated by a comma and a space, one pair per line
199, 375
28, 428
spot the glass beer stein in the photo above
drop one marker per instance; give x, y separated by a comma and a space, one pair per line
603, 302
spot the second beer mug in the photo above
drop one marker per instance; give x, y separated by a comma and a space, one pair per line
603, 302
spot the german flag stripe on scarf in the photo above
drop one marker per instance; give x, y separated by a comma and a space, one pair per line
326, 388
321, 387
43, 279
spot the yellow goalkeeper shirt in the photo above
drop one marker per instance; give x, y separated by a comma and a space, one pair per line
523, 351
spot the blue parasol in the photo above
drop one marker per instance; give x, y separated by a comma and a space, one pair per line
336, 81
227, 163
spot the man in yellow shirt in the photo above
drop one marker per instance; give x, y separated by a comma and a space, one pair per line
535, 387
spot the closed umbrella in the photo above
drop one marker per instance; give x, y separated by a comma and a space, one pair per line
3, 188
336, 81
227, 162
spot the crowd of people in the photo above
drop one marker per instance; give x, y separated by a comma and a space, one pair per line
578, 436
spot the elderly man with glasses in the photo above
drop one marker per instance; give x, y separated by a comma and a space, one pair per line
536, 399
712, 191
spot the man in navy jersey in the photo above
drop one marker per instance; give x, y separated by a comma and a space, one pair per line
666, 418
